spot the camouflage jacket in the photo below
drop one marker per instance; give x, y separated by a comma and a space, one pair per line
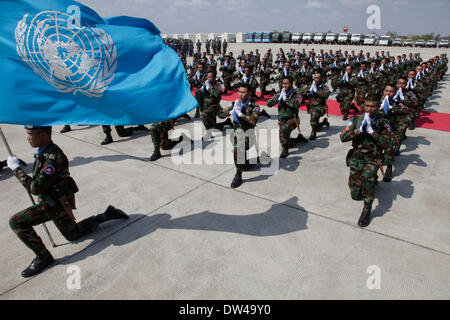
303, 77
318, 98
51, 178
228, 71
409, 103
251, 81
249, 116
209, 98
287, 109
366, 147
349, 86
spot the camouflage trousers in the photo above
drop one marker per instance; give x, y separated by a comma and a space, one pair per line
403, 123
160, 134
362, 180
334, 80
209, 117
22, 224
227, 82
242, 142
263, 86
286, 127
316, 112
345, 101
360, 96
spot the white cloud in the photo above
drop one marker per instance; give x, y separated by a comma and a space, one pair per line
192, 3
357, 3
316, 4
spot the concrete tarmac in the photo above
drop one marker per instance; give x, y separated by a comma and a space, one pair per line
290, 235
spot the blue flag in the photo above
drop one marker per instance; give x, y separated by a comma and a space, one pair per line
61, 63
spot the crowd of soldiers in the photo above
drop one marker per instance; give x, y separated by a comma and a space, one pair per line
184, 47
390, 91
399, 86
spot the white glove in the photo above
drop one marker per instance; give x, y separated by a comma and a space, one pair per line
237, 108
368, 123
313, 87
244, 77
13, 162
282, 95
208, 85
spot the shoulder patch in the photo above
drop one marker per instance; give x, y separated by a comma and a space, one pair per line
49, 170
257, 109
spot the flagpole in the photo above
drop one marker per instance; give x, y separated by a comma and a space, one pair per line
5, 142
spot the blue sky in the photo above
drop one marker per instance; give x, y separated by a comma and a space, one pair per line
192, 16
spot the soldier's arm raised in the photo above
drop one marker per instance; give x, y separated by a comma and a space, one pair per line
274, 101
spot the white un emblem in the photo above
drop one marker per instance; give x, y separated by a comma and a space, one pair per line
70, 59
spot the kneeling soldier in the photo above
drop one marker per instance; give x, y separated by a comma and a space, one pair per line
51, 181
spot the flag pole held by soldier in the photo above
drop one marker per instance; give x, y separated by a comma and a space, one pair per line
5, 142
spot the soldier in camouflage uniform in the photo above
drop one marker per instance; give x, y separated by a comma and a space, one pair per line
245, 116
228, 70
363, 84
389, 112
209, 97
347, 87
55, 188
368, 141
335, 72
408, 104
286, 71
264, 77
317, 95
303, 76
288, 118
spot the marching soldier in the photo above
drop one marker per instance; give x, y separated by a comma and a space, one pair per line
368, 141
52, 183
245, 116
288, 118
209, 97
363, 85
335, 72
347, 85
264, 77
407, 107
303, 76
317, 95
228, 70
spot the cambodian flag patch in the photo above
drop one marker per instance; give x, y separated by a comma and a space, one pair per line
49, 169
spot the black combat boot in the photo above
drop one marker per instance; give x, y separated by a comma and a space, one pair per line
107, 140
38, 264
284, 152
141, 128
111, 213
265, 114
388, 174
301, 138
364, 219
2, 164
65, 129
156, 155
345, 116
325, 123
313, 135
237, 181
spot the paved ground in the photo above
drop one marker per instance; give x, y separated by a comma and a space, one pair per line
291, 235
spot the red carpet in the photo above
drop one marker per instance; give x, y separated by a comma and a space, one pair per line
428, 120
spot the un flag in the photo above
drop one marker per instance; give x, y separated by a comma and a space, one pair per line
61, 63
